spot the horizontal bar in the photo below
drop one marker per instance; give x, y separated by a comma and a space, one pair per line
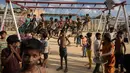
66, 7
19, 5
58, 2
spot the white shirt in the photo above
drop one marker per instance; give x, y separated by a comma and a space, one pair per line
113, 35
96, 47
46, 45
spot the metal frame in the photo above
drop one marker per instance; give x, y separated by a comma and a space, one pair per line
9, 3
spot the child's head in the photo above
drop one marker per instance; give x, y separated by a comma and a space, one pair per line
44, 35
56, 20
14, 41
51, 18
70, 16
107, 37
34, 16
111, 29
98, 36
66, 18
78, 19
89, 35
87, 14
119, 34
61, 17
31, 52
28, 15
63, 32
3, 34
81, 36
41, 15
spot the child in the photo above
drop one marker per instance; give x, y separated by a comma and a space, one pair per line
96, 50
46, 47
78, 40
62, 42
3, 43
120, 50
31, 51
112, 33
33, 24
79, 23
108, 53
89, 49
10, 56
84, 43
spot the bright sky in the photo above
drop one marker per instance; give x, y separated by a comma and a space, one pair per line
82, 12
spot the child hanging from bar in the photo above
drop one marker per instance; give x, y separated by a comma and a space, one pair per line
89, 49
84, 43
62, 42
108, 53
10, 56
31, 51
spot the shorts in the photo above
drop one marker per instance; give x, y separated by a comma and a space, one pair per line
45, 55
63, 52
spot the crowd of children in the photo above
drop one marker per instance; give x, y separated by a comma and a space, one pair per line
30, 55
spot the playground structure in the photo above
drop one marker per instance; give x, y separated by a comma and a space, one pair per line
23, 4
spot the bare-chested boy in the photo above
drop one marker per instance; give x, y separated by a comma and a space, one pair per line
62, 42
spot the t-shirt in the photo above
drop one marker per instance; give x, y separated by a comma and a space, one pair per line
113, 35
46, 45
12, 66
96, 47
27, 22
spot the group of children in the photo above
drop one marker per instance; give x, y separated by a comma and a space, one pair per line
30, 55
52, 26
23, 56
111, 48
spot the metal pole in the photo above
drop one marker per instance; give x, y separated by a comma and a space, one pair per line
100, 22
117, 17
127, 21
5, 13
105, 24
12, 11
